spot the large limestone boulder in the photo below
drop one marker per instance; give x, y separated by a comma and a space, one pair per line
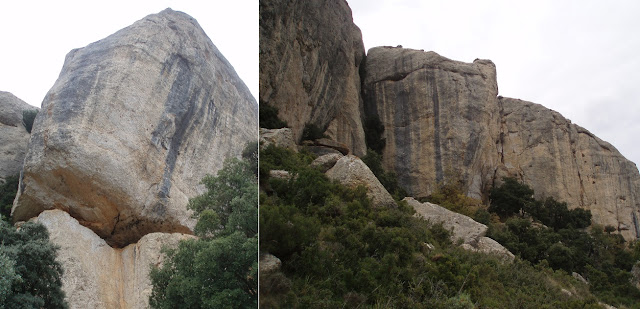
278, 137
310, 57
440, 117
14, 137
444, 122
462, 227
352, 172
132, 125
99, 276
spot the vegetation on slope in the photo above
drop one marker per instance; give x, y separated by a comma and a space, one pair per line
338, 251
8, 191
220, 268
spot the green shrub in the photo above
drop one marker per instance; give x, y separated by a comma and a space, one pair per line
312, 132
373, 130
269, 117
510, 198
31, 275
388, 179
8, 192
28, 116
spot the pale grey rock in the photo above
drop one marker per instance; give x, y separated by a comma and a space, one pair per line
352, 172
462, 227
310, 57
278, 137
579, 277
280, 174
14, 137
132, 125
327, 161
97, 275
269, 263
489, 246
635, 275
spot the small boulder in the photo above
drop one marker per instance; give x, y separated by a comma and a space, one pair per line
326, 162
269, 264
352, 172
278, 137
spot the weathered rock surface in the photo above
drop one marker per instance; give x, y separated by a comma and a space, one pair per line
560, 159
444, 122
14, 137
97, 275
326, 162
464, 228
269, 263
132, 125
352, 172
489, 246
440, 117
310, 55
635, 275
278, 137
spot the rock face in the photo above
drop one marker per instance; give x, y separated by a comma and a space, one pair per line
352, 172
444, 122
14, 137
560, 159
440, 117
278, 137
310, 56
97, 275
132, 125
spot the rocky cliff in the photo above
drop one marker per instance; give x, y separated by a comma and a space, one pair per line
444, 121
310, 57
14, 137
131, 126
124, 137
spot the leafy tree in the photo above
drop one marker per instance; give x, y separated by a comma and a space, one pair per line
511, 197
219, 269
31, 277
28, 117
8, 192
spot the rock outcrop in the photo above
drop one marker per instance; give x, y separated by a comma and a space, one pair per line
310, 56
14, 137
352, 172
278, 137
470, 233
444, 121
97, 275
131, 126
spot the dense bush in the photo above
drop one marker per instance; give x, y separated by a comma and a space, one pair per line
373, 130
388, 179
548, 232
312, 132
269, 117
8, 192
28, 117
220, 268
30, 276
338, 251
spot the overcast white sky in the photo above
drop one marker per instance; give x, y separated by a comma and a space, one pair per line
580, 58
36, 35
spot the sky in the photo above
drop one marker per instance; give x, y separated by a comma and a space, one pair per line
37, 35
580, 58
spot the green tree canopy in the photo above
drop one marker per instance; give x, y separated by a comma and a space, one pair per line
30, 275
220, 268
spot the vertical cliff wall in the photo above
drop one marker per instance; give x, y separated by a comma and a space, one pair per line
310, 55
14, 137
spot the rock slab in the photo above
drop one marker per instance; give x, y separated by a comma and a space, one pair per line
132, 125
352, 172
